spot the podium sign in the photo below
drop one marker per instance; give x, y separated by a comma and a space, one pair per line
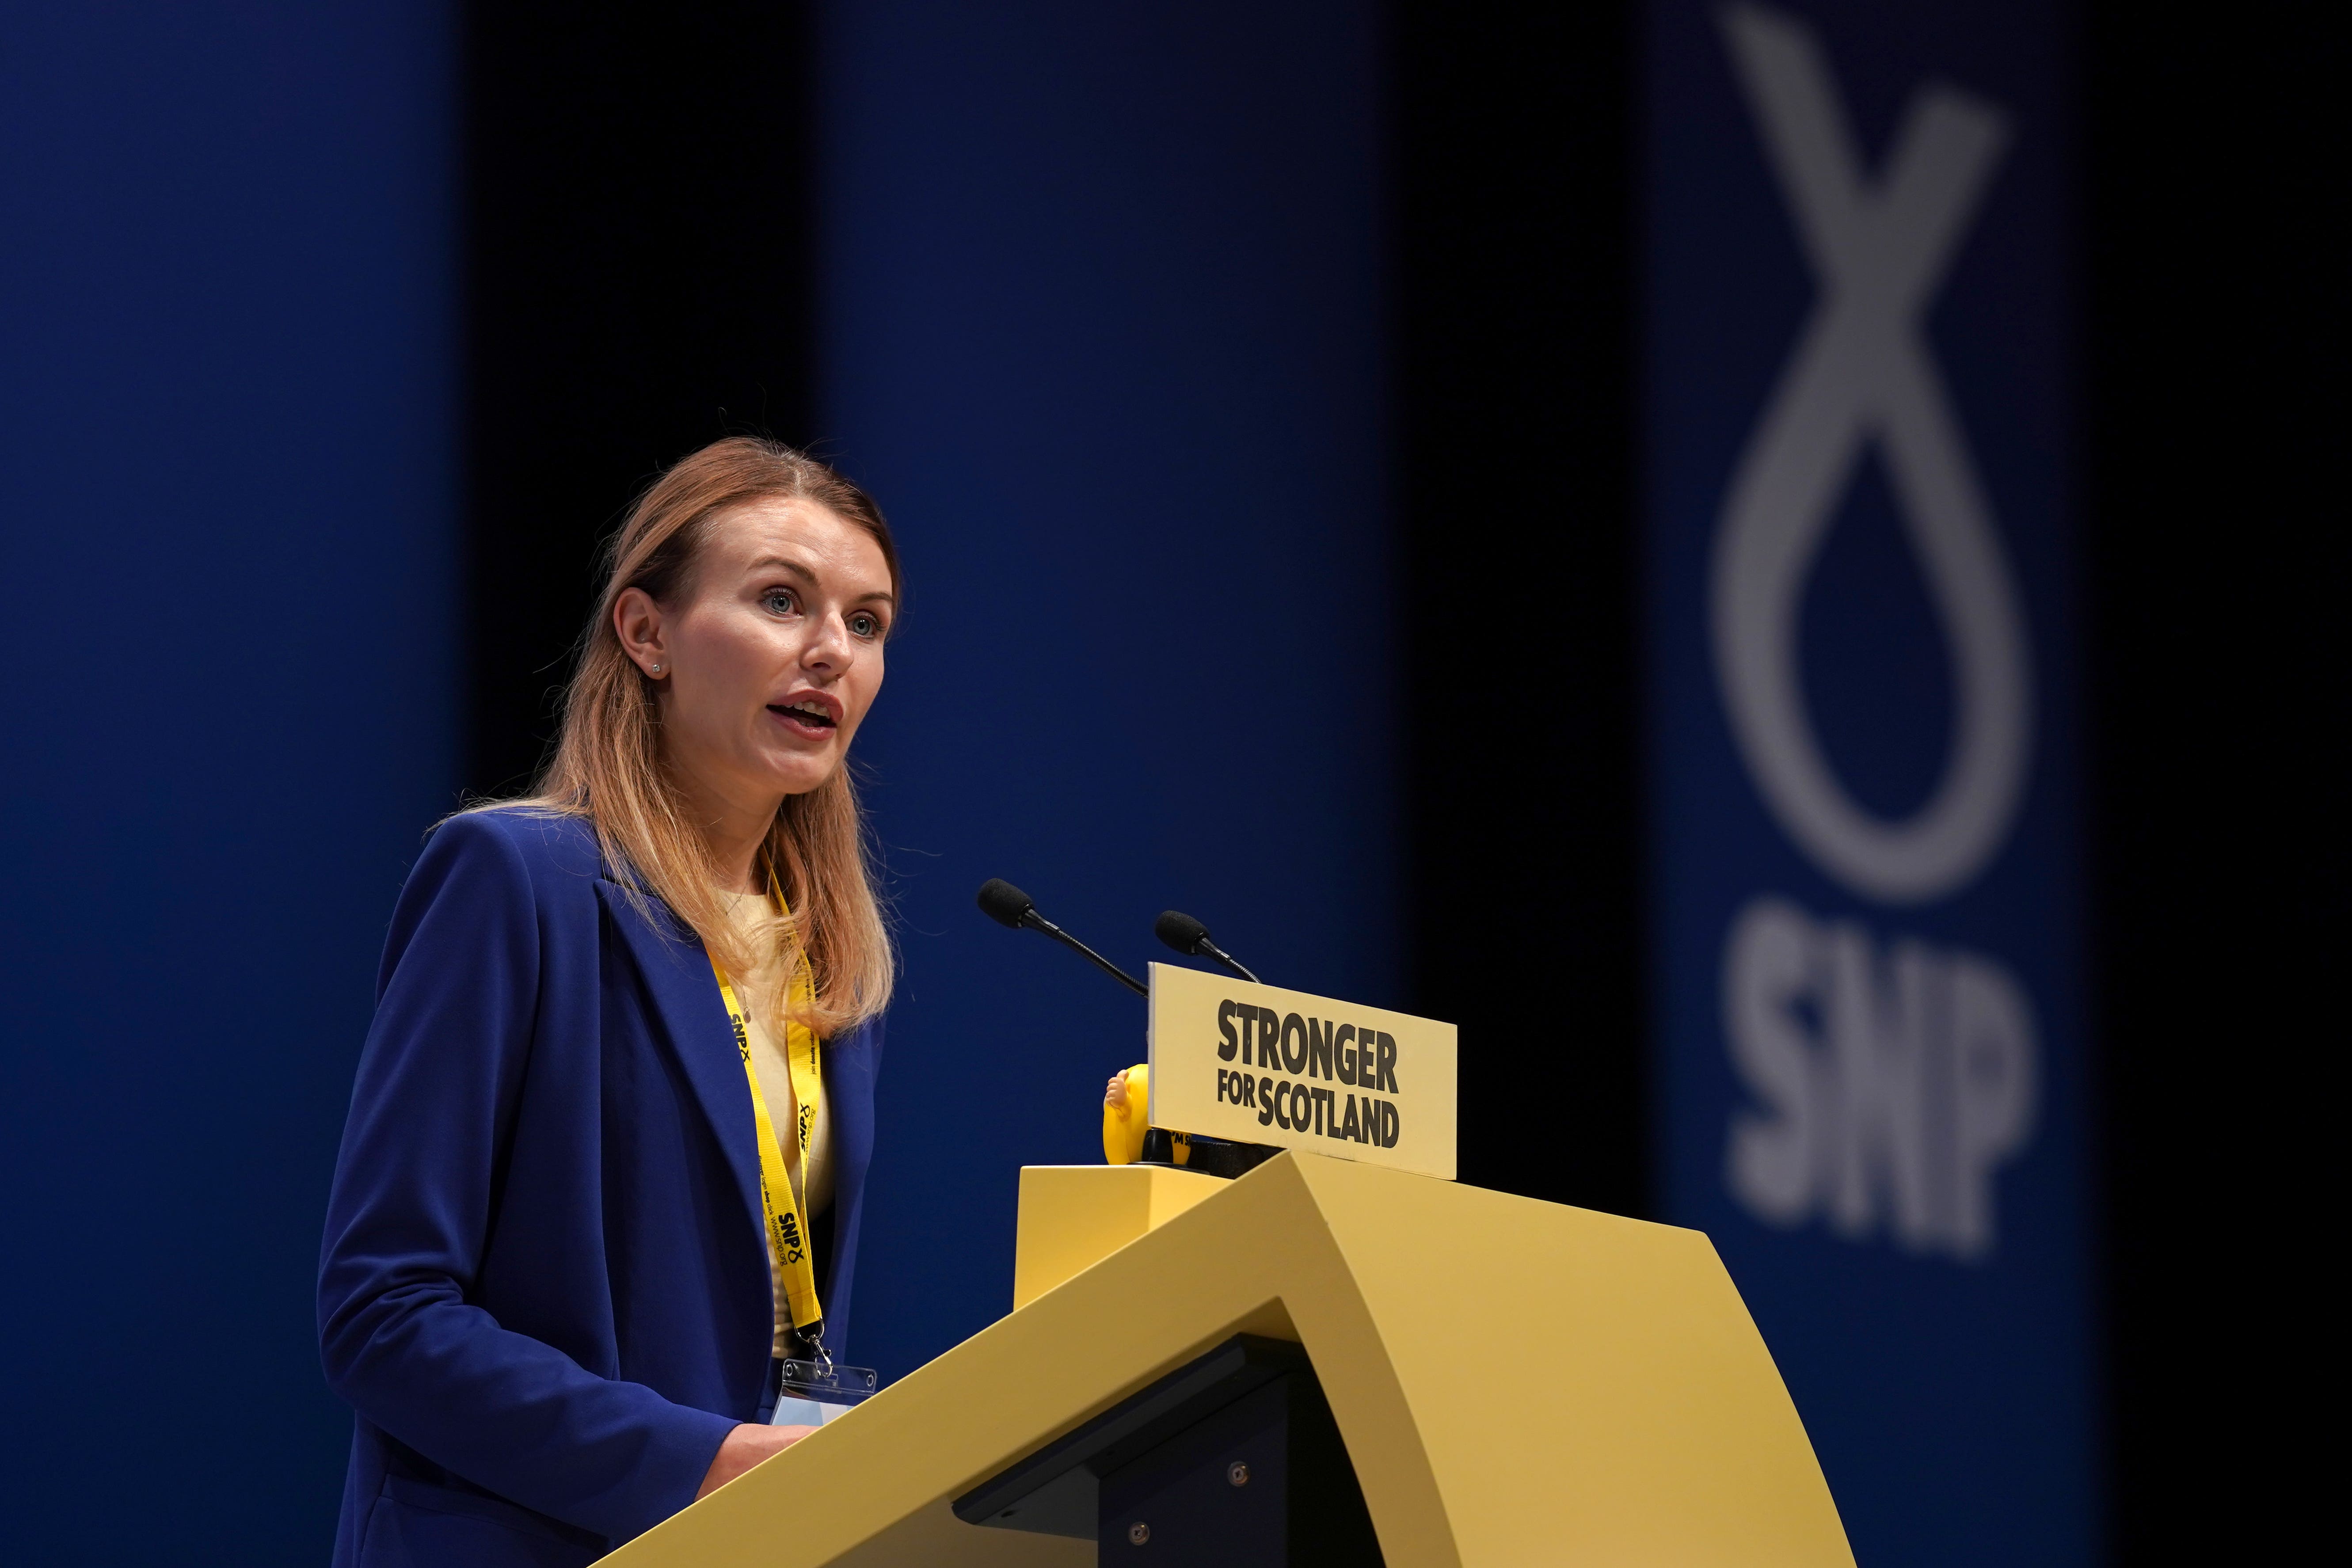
1261, 1065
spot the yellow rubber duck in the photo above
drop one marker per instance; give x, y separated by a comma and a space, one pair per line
1124, 1100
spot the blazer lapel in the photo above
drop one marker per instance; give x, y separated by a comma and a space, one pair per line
685, 994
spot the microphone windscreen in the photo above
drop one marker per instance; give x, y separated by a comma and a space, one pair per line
1181, 931
1002, 902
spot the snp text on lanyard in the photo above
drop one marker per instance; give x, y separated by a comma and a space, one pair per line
787, 1230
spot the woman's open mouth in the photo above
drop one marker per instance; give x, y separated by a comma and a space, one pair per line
810, 717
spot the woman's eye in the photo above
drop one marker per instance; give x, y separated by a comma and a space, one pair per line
781, 602
864, 626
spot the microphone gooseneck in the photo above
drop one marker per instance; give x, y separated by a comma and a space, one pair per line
1190, 938
1007, 905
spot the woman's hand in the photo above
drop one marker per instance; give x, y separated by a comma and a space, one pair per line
744, 1448
1115, 1097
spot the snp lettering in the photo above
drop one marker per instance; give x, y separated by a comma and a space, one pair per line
1889, 1085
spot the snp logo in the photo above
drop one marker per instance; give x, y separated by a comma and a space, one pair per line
1889, 1081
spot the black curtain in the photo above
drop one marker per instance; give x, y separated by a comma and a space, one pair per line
639, 232
2213, 268
1517, 621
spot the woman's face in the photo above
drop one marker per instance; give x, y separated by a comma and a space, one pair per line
772, 654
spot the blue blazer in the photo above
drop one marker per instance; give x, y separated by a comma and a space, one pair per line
544, 1286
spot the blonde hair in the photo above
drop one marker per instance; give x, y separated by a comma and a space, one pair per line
608, 764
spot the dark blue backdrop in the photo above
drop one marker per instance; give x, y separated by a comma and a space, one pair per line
226, 322
1872, 1074
1102, 325
1104, 315
1103, 309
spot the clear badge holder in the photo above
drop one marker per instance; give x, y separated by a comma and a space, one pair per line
812, 1392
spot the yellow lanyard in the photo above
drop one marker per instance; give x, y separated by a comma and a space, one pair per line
787, 1236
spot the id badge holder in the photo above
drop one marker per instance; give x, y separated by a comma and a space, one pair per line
812, 1392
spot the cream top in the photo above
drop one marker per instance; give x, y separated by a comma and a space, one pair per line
811, 1188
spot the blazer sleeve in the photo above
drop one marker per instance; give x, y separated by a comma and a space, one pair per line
421, 1157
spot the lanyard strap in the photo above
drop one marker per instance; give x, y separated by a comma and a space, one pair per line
787, 1236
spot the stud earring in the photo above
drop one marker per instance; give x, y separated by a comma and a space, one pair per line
656, 670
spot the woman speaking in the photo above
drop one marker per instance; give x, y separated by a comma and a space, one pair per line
609, 1132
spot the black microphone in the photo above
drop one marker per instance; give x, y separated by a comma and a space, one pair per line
1190, 938
1007, 905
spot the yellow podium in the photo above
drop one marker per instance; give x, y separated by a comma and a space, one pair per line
1515, 1381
